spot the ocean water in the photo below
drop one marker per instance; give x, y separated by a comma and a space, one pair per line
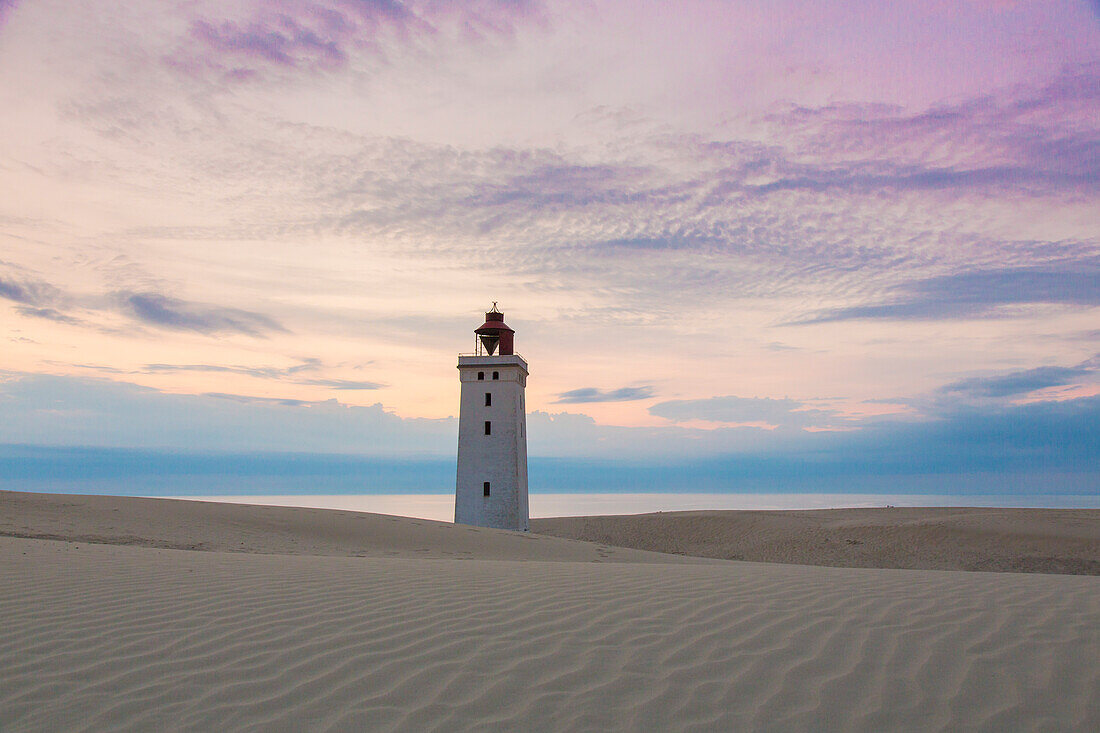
441, 506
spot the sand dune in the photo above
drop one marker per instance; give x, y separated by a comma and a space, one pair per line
103, 636
198, 525
1006, 540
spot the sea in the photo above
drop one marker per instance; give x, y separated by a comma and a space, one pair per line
440, 507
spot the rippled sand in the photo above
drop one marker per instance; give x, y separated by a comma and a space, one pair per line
444, 634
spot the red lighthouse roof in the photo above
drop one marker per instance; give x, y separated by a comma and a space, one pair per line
495, 332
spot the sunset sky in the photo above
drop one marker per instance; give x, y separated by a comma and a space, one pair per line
766, 239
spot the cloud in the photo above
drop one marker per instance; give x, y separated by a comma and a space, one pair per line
1022, 382
664, 219
254, 400
866, 179
731, 409
6, 7
349, 384
982, 448
304, 36
978, 294
644, 219
1017, 383
714, 227
40, 299
50, 314
567, 186
28, 292
263, 372
591, 394
50, 410
162, 311
283, 41
324, 35
1037, 136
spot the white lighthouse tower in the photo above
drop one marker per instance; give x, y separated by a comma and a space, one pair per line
491, 490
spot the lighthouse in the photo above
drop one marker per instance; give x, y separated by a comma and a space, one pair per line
491, 489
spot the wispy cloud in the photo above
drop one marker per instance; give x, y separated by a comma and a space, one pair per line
263, 372
28, 291
1016, 383
257, 400
731, 409
6, 7
758, 220
650, 218
40, 299
321, 35
978, 294
291, 374
36, 298
1023, 382
162, 311
50, 314
592, 394
344, 384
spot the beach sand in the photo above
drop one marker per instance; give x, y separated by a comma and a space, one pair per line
316, 620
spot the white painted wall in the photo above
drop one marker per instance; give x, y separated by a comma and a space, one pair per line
499, 458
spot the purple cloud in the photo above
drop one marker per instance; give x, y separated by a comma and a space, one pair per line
1039, 139
978, 294
27, 291
342, 384
1019, 383
321, 35
50, 314
6, 6
162, 311
286, 43
591, 394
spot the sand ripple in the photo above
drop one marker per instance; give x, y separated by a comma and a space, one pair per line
98, 637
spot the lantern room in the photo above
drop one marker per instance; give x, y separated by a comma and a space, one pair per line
494, 337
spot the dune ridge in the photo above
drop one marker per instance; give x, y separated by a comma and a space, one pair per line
929, 538
175, 524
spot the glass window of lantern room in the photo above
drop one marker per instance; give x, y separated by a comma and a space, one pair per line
496, 375
481, 375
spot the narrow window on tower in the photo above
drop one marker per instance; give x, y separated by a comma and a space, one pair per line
485, 489
481, 375
496, 375
488, 428
488, 399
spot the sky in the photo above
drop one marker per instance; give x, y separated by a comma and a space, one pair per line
746, 245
